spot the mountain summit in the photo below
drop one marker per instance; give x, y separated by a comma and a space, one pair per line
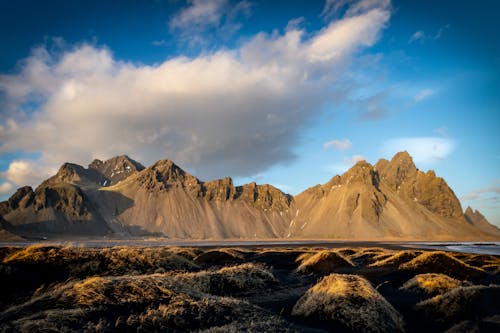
121, 198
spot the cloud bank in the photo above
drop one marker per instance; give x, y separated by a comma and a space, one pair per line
231, 112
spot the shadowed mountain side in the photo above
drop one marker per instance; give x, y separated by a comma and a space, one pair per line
62, 209
98, 174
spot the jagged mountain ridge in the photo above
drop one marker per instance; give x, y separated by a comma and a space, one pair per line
121, 198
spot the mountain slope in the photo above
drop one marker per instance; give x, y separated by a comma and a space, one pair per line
121, 198
392, 199
165, 199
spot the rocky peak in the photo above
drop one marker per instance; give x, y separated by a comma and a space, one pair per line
362, 172
398, 170
20, 199
115, 169
170, 172
473, 216
164, 174
469, 211
220, 189
74, 174
263, 196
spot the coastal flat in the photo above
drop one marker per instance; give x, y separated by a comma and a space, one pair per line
298, 287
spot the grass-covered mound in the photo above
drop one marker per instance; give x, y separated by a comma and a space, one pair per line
366, 256
323, 262
219, 256
489, 324
152, 302
432, 284
348, 302
395, 259
459, 304
246, 277
443, 263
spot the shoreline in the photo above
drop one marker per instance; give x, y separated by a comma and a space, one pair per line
473, 247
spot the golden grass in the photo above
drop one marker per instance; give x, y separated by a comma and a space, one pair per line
219, 256
146, 260
432, 284
444, 263
153, 302
111, 261
488, 263
395, 259
349, 301
247, 277
371, 254
461, 303
323, 262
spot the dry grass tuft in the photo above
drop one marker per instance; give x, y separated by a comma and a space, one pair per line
219, 256
127, 260
323, 262
132, 303
122, 290
246, 277
395, 259
371, 254
444, 263
348, 302
346, 251
432, 284
460, 304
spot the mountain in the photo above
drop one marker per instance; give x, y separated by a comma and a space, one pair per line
390, 200
121, 198
477, 219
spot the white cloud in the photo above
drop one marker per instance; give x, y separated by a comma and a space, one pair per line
220, 17
5, 188
334, 8
423, 95
418, 36
200, 13
25, 172
482, 193
425, 150
421, 36
341, 145
232, 112
354, 159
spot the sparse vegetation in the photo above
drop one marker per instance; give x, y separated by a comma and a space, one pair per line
177, 289
323, 262
396, 259
463, 303
349, 302
433, 284
444, 263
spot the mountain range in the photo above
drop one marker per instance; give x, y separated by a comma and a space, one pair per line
121, 198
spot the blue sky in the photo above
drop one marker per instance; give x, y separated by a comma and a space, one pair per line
282, 92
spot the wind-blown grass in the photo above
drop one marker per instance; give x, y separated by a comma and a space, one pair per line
348, 302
